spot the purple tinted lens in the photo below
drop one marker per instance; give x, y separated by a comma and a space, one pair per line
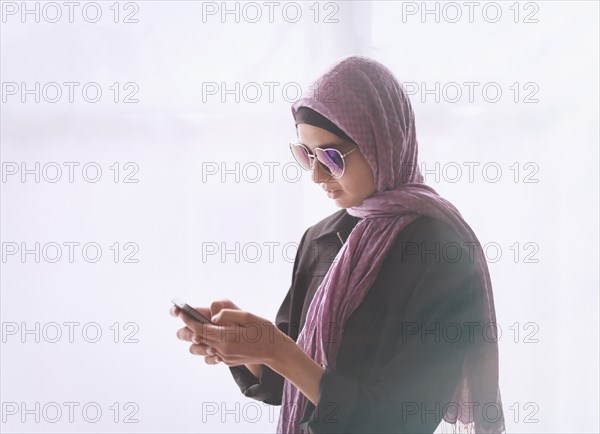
332, 160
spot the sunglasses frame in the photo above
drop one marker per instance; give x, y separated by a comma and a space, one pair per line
312, 157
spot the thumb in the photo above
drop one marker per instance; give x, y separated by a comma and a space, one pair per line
232, 317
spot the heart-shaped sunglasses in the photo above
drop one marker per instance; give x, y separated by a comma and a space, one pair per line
330, 159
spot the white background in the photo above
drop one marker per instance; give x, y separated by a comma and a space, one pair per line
170, 53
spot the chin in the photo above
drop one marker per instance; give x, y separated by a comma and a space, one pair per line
348, 202
340, 203
343, 203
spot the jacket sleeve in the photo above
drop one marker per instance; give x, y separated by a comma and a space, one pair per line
268, 388
411, 388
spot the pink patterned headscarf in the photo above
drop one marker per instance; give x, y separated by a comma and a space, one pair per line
364, 99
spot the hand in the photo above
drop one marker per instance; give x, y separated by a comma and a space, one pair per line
198, 347
239, 337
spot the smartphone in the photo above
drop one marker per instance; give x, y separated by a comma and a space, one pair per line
190, 311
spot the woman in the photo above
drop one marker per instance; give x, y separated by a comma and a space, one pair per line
389, 325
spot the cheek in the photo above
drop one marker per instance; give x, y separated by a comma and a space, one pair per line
358, 178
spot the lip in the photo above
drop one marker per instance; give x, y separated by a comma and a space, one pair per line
332, 194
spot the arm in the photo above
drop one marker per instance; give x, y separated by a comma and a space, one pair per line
300, 369
260, 382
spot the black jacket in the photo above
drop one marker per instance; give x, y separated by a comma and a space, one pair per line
389, 375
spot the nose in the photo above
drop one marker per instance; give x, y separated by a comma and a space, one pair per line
319, 174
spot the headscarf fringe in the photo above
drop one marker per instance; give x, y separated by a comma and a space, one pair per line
458, 427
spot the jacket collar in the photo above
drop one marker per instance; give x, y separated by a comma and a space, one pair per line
341, 222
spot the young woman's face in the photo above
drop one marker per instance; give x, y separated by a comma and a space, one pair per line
356, 184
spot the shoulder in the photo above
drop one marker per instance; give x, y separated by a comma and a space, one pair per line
427, 240
431, 263
427, 228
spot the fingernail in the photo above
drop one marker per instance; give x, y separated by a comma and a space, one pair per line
210, 351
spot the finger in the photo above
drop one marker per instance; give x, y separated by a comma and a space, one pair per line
201, 350
217, 305
212, 360
240, 318
207, 332
216, 356
199, 340
211, 357
174, 311
185, 334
